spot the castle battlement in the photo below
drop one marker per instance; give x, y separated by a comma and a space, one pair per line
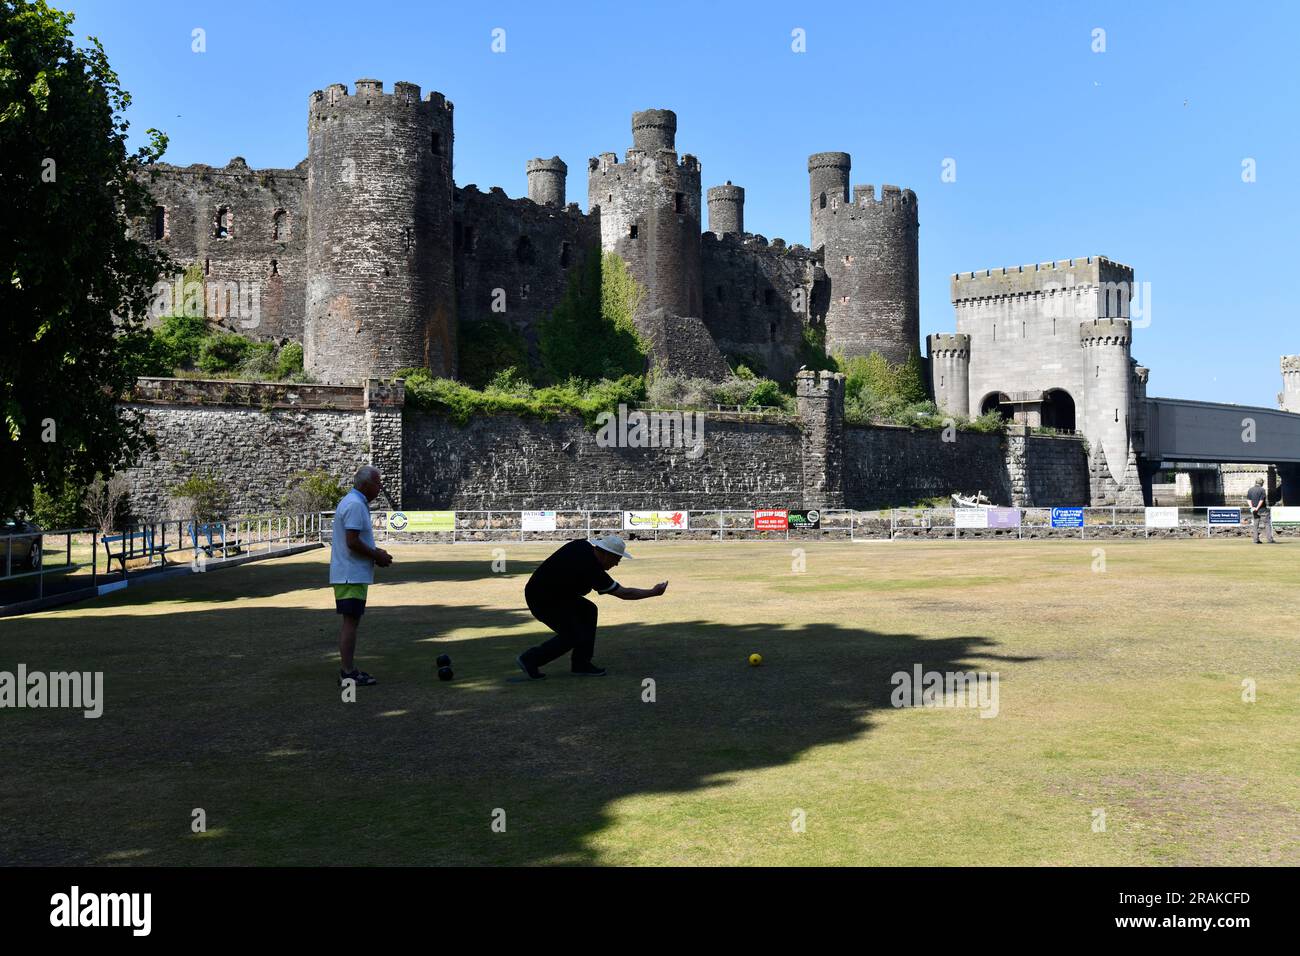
760, 245
889, 196
1291, 364
237, 168
1040, 277
1105, 332
521, 204
371, 92
948, 345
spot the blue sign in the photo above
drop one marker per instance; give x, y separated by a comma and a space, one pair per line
1225, 516
1067, 517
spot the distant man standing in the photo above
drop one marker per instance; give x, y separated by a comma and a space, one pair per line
1258, 498
555, 596
353, 558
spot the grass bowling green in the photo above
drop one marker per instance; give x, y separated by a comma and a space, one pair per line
1147, 712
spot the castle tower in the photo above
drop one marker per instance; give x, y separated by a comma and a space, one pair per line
820, 398
726, 209
1289, 399
870, 256
546, 179
950, 372
1107, 388
380, 282
828, 181
649, 209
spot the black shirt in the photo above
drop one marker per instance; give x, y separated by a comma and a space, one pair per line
1258, 498
569, 573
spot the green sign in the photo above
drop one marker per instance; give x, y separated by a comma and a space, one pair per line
421, 521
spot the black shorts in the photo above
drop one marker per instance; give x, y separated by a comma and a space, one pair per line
352, 607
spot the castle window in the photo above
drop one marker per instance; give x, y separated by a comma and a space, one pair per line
207, 267
436, 143
524, 250
564, 255
408, 236
160, 222
823, 201
275, 268
631, 231
679, 204
469, 241
280, 225
768, 296
221, 227
773, 330
523, 291
719, 293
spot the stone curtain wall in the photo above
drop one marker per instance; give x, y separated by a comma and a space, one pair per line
256, 437
506, 462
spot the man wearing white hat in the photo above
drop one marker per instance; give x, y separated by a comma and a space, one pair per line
555, 596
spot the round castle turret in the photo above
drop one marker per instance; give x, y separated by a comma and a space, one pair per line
380, 283
950, 371
1289, 400
1107, 387
546, 178
870, 255
650, 214
726, 210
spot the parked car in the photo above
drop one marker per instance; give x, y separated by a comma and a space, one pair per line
26, 549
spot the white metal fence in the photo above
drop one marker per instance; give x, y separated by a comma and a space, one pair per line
883, 525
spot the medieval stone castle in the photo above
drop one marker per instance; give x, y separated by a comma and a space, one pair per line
370, 255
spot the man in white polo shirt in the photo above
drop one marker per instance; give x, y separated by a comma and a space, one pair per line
353, 557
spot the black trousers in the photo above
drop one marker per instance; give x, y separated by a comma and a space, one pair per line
574, 624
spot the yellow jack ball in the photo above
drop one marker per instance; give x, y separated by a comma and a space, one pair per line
755, 660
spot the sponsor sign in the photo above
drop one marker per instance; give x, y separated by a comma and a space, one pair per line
805, 519
537, 520
651, 520
1225, 516
771, 520
970, 517
421, 521
1288, 516
1067, 517
1162, 517
1004, 517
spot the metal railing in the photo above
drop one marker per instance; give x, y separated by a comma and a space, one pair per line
9, 544
888, 524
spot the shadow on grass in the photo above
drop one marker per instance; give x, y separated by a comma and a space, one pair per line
235, 710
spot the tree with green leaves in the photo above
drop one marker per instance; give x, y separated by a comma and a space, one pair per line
74, 285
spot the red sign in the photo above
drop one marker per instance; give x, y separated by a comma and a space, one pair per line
771, 520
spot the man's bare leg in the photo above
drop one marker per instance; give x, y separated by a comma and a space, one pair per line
347, 640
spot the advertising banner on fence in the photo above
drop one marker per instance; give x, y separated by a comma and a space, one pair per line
804, 519
1004, 517
1162, 517
1222, 516
771, 520
1067, 517
421, 521
1287, 517
537, 520
970, 517
650, 520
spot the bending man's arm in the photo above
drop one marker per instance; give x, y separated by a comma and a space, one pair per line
637, 594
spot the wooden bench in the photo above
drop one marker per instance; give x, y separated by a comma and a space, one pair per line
226, 548
127, 547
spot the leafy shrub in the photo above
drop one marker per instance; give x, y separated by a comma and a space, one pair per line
509, 392
223, 352
313, 491
201, 497
57, 507
289, 362
259, 361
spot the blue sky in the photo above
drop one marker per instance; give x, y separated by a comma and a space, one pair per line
1135, 153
